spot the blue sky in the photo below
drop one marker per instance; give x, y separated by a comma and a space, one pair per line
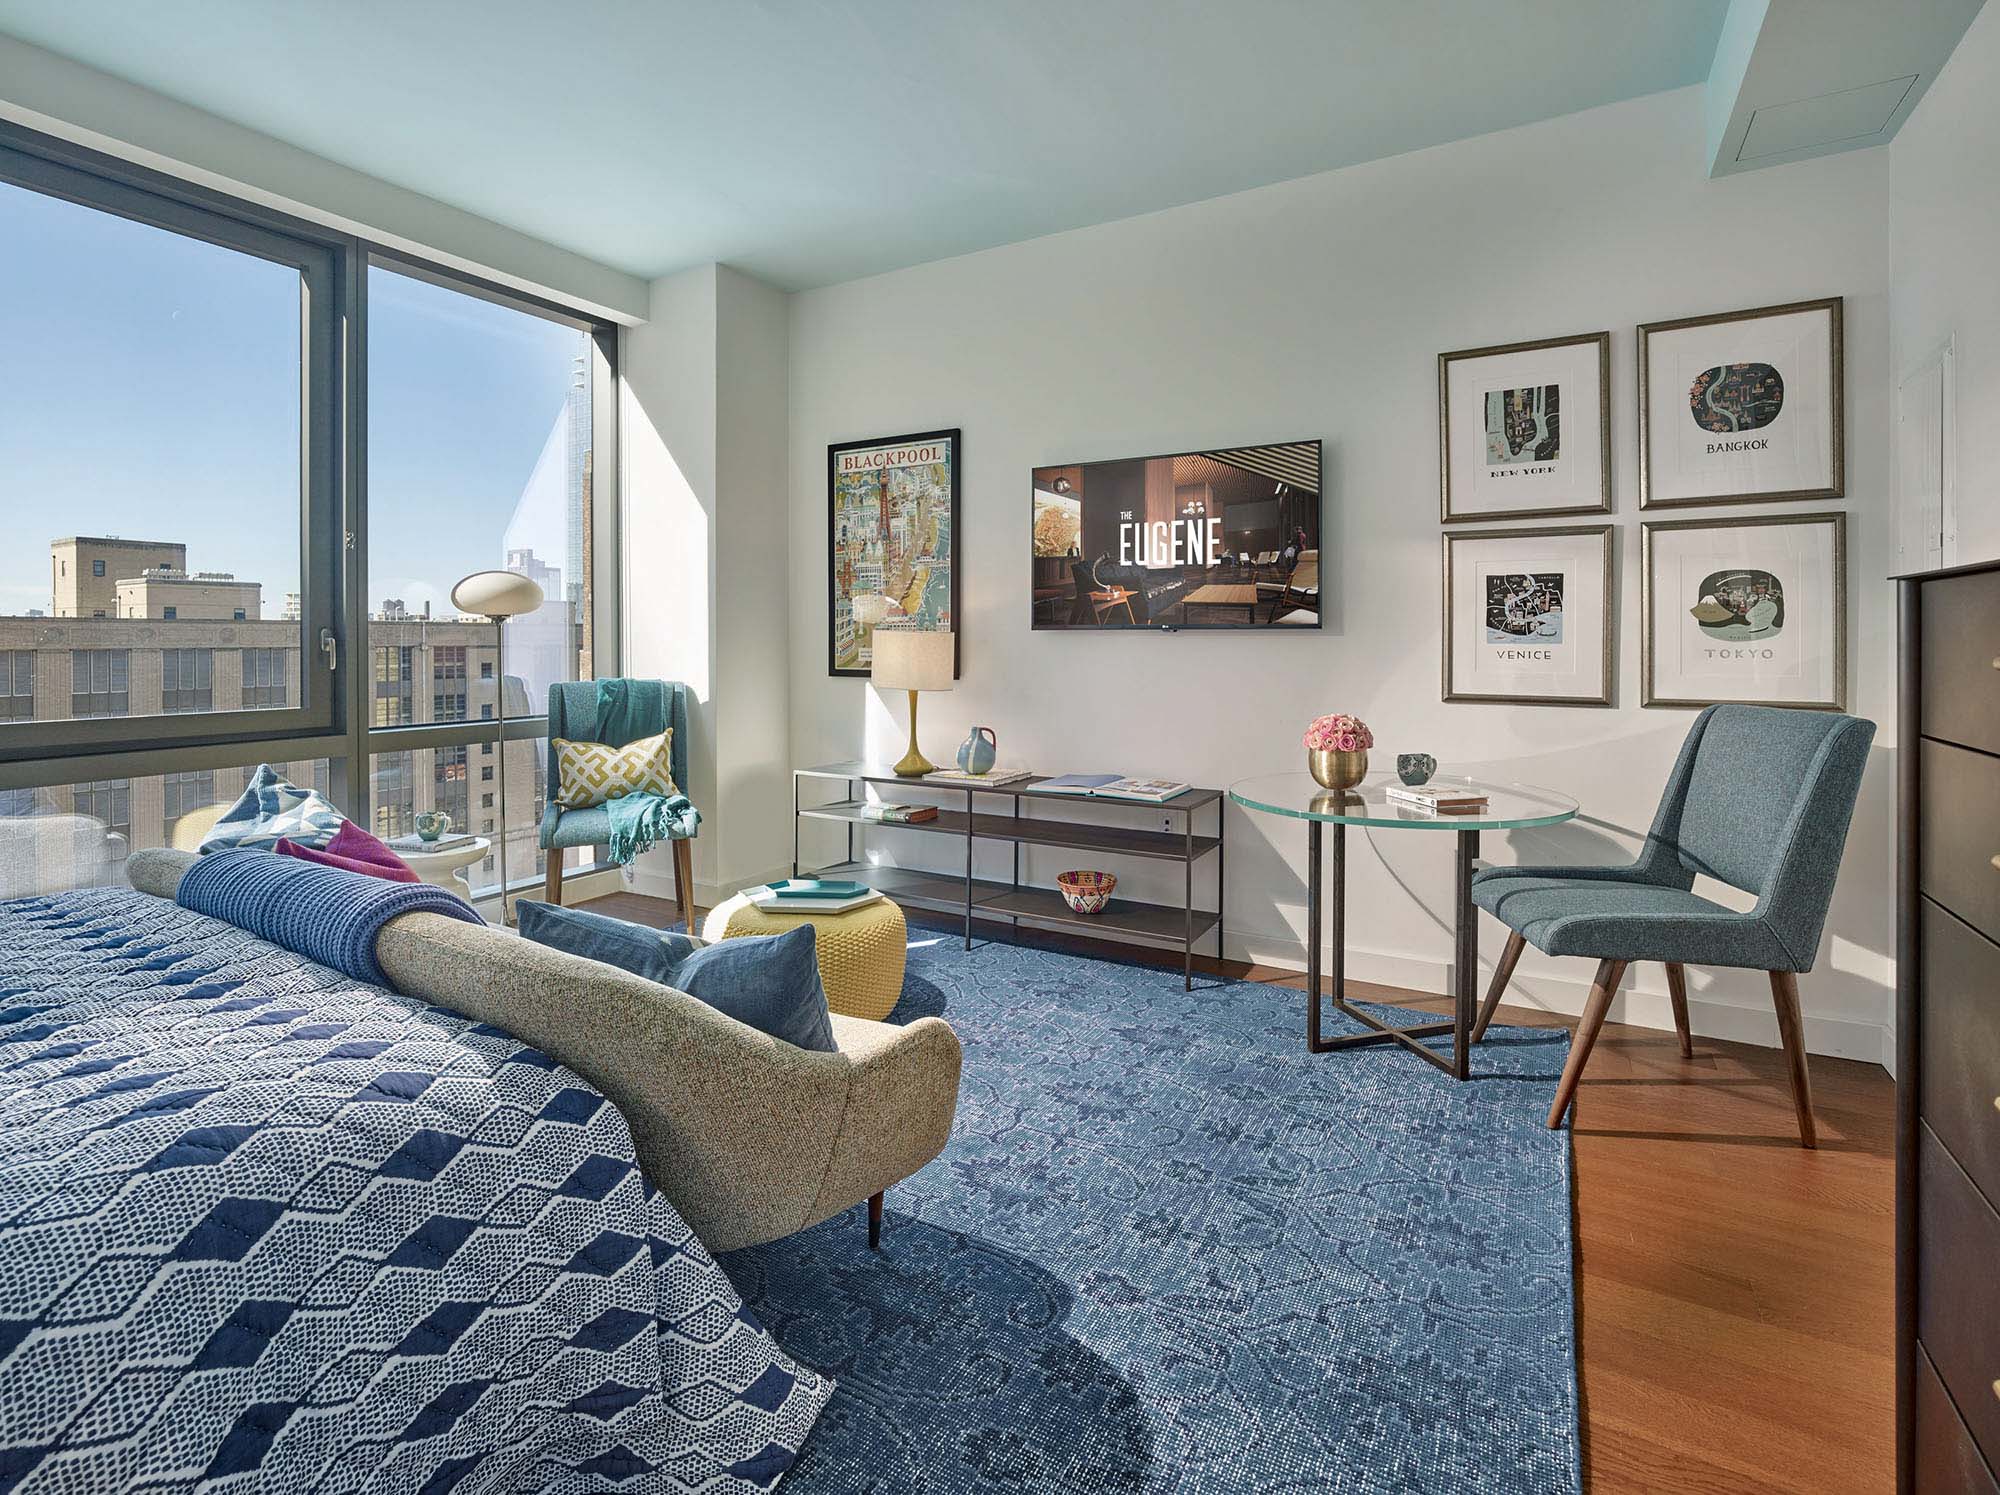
149, 387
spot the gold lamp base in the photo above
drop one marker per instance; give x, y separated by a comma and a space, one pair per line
913, 764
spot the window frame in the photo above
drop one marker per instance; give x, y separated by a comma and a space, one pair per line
55, 168
329, 718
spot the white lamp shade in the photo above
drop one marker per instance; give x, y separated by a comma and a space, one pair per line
911, 659
497, 594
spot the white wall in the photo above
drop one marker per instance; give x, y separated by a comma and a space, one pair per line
1944, 258
1318, 308
702, 433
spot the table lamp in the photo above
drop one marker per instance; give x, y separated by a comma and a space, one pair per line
498, 596
912, 659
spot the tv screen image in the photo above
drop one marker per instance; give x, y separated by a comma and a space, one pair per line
1227, 538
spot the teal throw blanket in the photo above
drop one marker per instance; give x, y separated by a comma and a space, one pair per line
628, 710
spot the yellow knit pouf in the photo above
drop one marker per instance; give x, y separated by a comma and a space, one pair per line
861, 951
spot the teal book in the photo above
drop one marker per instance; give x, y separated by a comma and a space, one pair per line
815, 887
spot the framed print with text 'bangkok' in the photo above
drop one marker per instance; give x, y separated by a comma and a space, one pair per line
1748, 610
1744, 406
892, 542
1527, 615
1524, 430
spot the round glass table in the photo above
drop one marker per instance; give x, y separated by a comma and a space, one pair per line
1298, 796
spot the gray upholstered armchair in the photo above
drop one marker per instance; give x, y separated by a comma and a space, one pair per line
1760, 799
573, 715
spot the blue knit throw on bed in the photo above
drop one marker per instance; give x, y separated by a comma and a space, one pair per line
322, 913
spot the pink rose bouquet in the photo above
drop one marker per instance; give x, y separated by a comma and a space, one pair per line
1339, 734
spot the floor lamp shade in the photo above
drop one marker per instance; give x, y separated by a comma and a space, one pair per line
499, 595
912, 659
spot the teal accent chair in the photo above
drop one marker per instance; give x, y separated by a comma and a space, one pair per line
1760, 799
573, 716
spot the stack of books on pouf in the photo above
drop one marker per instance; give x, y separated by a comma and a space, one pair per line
811, 895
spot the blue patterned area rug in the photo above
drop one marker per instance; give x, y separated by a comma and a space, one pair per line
1168, 1250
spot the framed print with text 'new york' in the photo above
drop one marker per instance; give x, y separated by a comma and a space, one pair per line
1742, 407
1524, 430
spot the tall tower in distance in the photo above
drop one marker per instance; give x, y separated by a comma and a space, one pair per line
576, 479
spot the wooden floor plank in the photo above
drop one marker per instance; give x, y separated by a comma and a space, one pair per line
1734, 1290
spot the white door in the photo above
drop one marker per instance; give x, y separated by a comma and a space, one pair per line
1926, 475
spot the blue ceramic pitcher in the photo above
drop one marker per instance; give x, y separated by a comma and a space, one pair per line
979, 750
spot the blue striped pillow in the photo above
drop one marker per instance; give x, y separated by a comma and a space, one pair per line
270, 808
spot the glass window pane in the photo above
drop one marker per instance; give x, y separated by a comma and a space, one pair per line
479, 458
403, 785
78, 835
150, 390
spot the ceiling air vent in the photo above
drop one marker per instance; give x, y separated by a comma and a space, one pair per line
1829, 119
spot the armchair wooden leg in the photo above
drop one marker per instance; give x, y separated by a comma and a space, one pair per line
552, 876
1503, 972
1791, 1030
875, 1222
1602, 990
684, 883
1677, 990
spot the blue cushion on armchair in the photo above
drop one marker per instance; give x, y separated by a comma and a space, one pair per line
767, 982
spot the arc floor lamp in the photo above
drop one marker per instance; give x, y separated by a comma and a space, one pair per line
498, 596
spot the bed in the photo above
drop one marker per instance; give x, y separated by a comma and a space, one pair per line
264, 1226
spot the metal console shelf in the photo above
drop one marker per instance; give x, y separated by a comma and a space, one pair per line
1014, 821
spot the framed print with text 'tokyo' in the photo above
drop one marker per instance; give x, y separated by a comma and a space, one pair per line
1527, 615
1748, 610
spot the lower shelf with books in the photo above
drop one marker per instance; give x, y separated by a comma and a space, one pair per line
1017, 904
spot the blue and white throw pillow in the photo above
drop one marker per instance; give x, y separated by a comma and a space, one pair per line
272, 807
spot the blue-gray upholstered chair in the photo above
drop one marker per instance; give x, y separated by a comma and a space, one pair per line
573, 715
1760, 799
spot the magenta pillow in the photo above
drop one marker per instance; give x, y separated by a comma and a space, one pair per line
352, 850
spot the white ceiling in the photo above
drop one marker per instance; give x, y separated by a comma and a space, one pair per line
811, 141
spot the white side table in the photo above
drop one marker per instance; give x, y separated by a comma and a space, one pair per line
446, 869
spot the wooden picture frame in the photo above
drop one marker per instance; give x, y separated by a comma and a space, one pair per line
1552, 556
1688, 457
1567, 472
911, 474
1733, 642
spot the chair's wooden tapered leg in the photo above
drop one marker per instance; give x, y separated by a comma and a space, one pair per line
875, 1222
552, 875
1503, 972
1791, 1031
684, 883
1602, 990
1677, 990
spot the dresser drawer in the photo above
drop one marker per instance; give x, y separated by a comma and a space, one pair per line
1960, 834
1943, 1459
1958, 1061
1958, 1289
1961, 642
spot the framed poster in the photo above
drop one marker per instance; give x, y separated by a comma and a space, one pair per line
1751, 610
1742, 406
1524, 431
1527, 615
892, 542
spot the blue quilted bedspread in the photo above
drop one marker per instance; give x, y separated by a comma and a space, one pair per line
266, 1227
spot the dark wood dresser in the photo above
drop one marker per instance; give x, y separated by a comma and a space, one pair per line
1948, 1034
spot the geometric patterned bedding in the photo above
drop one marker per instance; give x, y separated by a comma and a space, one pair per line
267, 1228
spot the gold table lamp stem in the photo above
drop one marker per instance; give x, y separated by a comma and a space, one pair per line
913, 763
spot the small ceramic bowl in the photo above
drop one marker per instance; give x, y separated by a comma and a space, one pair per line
1086, 892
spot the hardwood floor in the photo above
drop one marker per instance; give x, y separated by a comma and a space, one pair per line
1734, 1290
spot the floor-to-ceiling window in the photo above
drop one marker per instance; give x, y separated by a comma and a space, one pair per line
481, 456
179, 495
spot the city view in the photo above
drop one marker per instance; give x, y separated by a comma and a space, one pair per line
152, 502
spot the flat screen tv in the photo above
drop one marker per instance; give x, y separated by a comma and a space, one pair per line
1227, 538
